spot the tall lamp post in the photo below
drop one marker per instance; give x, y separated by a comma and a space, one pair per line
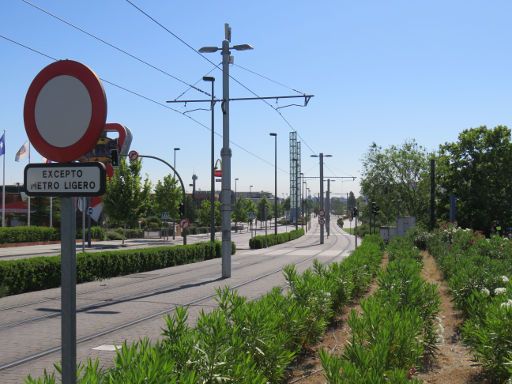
174, 219
212, 165
250, 190
275, 181
174, 163
236, 215
308, 194
226, 150
322, 223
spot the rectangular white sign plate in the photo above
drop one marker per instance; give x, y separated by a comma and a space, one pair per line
65, 179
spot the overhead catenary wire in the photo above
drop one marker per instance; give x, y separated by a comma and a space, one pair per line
114, 46
137, 94
268, 78
212, 63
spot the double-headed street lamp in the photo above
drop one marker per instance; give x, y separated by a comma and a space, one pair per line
275, 183
226, 150
322, 222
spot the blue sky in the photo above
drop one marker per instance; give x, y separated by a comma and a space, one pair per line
381, 71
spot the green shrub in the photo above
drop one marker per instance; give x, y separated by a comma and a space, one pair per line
262, 241
27, 234
24, 275
241, 341
478, 272
396, 330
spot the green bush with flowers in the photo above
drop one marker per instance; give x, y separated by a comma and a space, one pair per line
397, 331
478, 271
242, 341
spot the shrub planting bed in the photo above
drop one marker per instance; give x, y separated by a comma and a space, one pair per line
243, 341
396, 331
27, 234
478, 272
263, 241
24, 275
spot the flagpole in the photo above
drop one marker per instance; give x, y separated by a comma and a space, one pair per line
28, 214
3, 188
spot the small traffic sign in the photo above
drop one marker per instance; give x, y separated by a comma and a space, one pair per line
133, 155
321, 220
165, 215
65, 111
251, 216
184, 223
321, 213
72, 179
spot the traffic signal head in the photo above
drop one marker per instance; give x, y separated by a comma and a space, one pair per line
182, 210
375, 208
355, 212
114, 157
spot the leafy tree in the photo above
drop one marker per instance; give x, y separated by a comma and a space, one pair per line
240, 213
191, 208
477, 169
264, 210
126, 198
397, 179
168, 197
286, 204
204, 213
351, 202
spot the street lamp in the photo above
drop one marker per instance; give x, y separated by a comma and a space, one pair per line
275, 182
322, 222
308, 194
328, 210
212, 165
236, 215
174, 220
175, 149
226, 150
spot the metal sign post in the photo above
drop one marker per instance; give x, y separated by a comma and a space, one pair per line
68, 289
65, 113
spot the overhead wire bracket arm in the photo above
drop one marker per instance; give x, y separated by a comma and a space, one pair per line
306, 99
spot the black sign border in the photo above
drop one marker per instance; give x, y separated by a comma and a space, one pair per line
95, 164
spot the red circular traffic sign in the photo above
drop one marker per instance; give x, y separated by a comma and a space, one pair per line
133, 155
65, 111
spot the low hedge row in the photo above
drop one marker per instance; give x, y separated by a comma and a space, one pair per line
396, 331
27, 234
242, 341
24, 275
263, 241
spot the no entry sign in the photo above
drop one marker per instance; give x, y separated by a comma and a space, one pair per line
65, 111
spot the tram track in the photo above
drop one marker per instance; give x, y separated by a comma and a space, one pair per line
40, 354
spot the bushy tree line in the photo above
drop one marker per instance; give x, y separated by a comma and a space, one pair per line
476, 169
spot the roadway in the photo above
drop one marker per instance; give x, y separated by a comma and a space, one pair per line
128, 308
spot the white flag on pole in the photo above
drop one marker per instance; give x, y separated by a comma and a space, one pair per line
22, 152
